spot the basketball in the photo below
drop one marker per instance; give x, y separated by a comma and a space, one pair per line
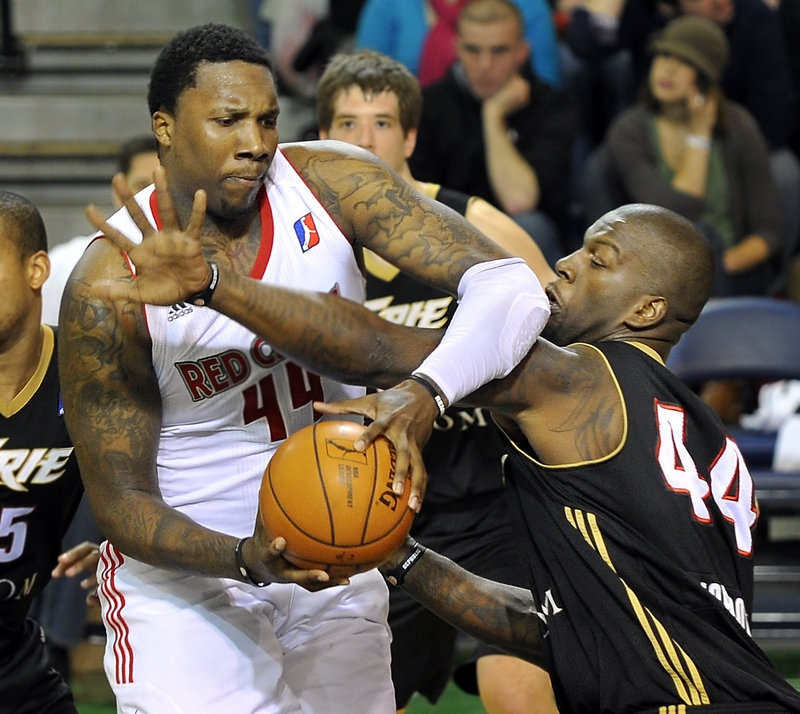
334, 505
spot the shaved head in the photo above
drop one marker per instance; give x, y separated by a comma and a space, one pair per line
677, 259
643, 272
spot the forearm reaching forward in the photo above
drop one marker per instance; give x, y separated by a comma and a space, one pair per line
495, 613
322, 332
484, 341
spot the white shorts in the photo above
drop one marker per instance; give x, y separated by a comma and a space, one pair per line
180, 644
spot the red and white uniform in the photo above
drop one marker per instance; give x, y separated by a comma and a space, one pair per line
181, 643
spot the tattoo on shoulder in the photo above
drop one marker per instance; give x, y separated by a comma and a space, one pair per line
378, 208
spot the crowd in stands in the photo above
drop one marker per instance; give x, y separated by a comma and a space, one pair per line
556, 123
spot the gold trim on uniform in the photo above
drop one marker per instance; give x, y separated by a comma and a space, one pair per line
616, 450
8, 409
676, 663
647, 350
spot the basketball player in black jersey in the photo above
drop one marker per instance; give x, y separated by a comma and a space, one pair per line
40, 484
634, 508
371, 100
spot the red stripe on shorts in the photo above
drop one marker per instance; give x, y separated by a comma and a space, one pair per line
113, 614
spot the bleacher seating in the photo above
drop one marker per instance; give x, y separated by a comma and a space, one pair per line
79, 91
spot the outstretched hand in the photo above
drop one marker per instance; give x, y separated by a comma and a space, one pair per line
170, 265
403, 414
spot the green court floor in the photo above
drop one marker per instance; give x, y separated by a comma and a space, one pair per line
93, 695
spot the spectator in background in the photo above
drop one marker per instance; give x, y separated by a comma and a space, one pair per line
758, 77
304, 35
291, 25
261, 27
596, 69
373, 101
137, 159
686, 148
597, 75
417, 29
493, 129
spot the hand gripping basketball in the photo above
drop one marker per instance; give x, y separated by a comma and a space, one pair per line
335, 506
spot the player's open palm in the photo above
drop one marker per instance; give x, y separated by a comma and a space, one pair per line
169, 263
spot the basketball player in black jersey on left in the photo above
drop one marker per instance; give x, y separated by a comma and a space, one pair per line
40, 484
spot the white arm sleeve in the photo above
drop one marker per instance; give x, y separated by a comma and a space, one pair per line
501, 310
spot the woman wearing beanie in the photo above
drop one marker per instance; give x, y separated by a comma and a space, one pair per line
686, 148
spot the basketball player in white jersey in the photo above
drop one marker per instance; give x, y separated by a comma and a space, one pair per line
176, 410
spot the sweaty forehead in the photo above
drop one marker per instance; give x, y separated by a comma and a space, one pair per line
609, 228
232, 79
623, 234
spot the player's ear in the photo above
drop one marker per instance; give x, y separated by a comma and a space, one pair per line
163, 124
38, 268
651, 311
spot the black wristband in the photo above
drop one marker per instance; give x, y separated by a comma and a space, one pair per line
397, 575
243, 569
431, 390
204, 296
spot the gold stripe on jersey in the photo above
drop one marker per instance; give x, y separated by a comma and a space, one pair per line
8, 409
675, 661
673, 709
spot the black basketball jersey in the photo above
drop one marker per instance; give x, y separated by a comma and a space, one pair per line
642, 561
40, 487
463, 454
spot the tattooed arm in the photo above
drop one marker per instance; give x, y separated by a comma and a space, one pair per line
501, 305
384, 213
563, 402
495, 613
113, 410
501, 310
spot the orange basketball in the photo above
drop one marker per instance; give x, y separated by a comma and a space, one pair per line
334, 505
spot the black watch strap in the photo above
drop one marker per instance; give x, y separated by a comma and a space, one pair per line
397, 575
204, 296
425, 382
243, 569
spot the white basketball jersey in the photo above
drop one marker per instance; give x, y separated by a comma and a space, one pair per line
228, 399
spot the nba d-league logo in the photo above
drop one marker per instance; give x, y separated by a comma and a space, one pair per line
306, 232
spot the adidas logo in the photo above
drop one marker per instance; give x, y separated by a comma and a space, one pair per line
179, 309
